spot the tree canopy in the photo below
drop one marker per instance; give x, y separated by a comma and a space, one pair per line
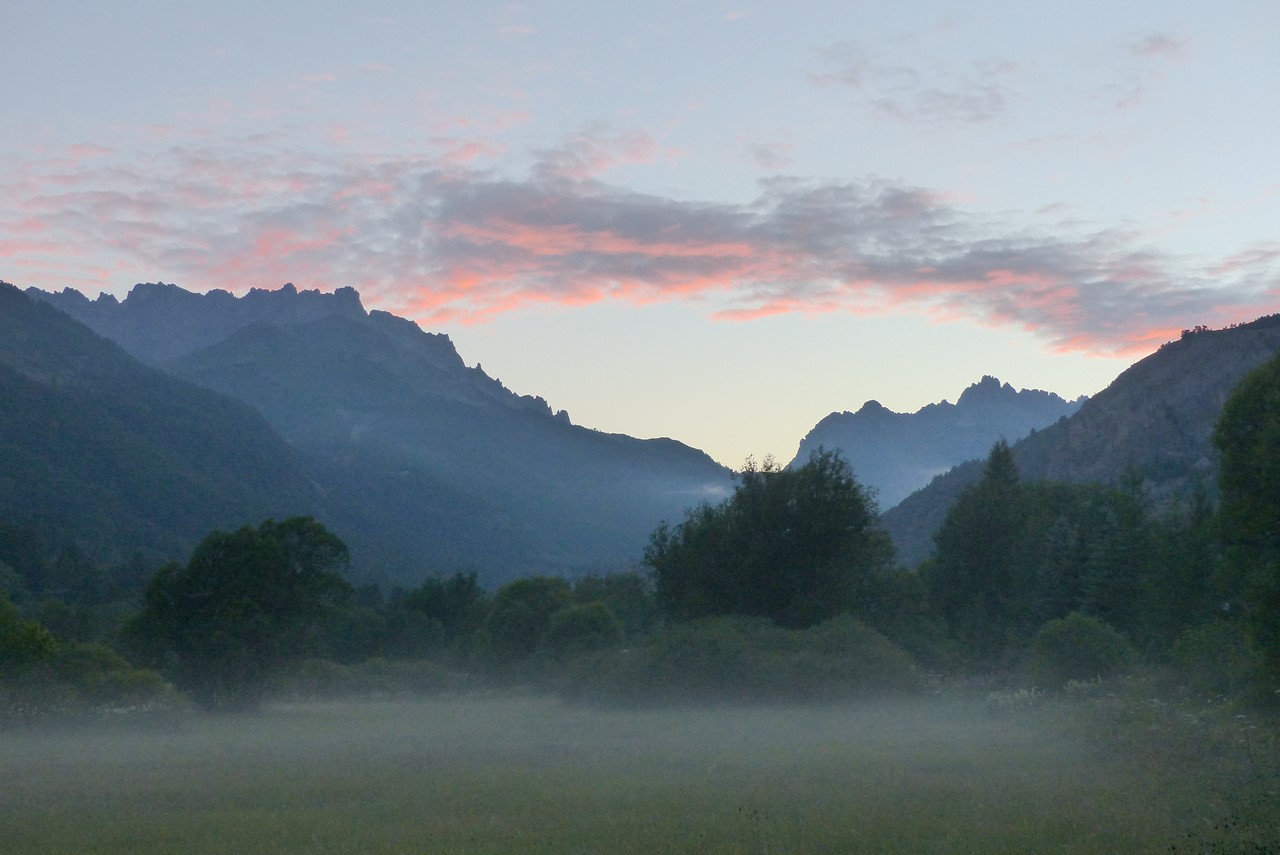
1011, 555
793, 545
247, 603
1248, 438
973, 579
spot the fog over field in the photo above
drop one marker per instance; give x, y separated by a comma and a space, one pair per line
527, 773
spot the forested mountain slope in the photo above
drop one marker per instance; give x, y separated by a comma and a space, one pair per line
100, 451
1155, 421
412, 438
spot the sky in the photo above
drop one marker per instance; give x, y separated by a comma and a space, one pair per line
713, 221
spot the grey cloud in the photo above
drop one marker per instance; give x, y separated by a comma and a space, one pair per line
771, 156
1142, 66
978, 94
1160, 46
452, 241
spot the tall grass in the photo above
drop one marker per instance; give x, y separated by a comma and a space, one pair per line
527, 773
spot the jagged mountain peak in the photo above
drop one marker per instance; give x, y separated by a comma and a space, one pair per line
158, 321
989, 388
873, 409
898, 453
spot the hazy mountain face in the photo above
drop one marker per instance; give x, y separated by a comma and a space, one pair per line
898, 453
1155, 420
430, 465
100, 450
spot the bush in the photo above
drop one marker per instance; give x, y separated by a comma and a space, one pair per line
628, 595
743, 659
25, 645
101, 676
41, 677
323, 679
588, 626
1078, 647
519, 619
1216, 658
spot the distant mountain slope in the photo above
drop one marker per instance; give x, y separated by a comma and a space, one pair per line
99, 450
1155, 419
898, 453
434, 445
360, 391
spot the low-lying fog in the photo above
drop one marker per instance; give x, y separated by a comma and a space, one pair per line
530, 774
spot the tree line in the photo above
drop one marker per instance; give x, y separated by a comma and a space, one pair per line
789, 585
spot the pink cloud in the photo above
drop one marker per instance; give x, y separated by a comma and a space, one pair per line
434, 238
19, 249
86, 151
457, 152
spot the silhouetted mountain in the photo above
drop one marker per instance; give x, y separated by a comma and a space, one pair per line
1155, 420
100, 451
898, 453
156, 321
411, 439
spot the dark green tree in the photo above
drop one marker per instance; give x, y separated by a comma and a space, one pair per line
25, 645
1115, 583
1248, 437
793, 545
629, 596
521, 616
974, 577
458, 604
1011, 555
1186, 589
248, 603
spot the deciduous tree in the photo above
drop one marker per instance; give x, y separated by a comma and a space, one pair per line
246, 604
793, 545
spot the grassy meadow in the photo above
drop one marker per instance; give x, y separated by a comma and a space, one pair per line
527, 773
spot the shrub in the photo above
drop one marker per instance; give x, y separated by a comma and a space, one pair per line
321, 678
1216, 658
743, 659
1078, 647
520, 617
101, 676
41, 677
25, 645
587, 626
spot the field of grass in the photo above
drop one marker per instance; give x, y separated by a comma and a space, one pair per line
526, 773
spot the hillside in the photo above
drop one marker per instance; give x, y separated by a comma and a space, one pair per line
898, 453
452, 468
117, 458
1156, 420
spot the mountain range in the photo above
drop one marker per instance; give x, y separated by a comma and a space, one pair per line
898, 453
424, 464
141, 424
